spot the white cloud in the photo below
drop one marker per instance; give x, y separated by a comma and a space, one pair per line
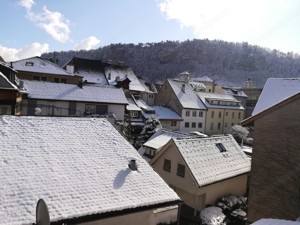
54, 23
231, 20
87, 43
26, 3
12, 54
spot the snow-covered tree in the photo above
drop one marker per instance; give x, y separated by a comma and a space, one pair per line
239, 133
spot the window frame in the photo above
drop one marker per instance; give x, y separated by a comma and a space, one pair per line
180, 170
167, 166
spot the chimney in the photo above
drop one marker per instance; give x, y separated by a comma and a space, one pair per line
80, 84
248, 83
70, 69
132, 164
183, 88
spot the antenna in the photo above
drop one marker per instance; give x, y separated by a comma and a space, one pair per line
42, 213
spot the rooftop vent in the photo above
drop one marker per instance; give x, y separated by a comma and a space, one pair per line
132, 164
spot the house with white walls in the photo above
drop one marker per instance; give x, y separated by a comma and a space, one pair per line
84, 170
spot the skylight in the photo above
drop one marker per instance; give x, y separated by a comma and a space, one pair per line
221, 147
29, 64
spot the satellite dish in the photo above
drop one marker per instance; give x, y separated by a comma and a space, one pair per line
42, 213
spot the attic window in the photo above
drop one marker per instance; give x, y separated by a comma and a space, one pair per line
221, 147
29, 63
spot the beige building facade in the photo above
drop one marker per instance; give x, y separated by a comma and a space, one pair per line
182, 164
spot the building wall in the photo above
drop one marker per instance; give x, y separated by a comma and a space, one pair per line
48, 77
61, 108
193, 120
220, 121
208, 195
253, 96
148, 98
149, 217
167, 124
274, 189
188, 190
166, 97
8, 101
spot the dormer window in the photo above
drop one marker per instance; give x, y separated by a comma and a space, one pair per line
221, 147
29, 63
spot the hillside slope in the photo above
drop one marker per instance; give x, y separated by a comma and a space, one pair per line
227, 63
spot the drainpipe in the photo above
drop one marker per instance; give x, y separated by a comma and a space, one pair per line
223, 121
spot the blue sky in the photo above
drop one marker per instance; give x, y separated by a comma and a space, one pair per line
32, 27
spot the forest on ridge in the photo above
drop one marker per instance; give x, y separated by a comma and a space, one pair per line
227, 63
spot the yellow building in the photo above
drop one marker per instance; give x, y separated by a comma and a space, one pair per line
223, 112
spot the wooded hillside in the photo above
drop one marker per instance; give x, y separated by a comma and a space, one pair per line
227, 63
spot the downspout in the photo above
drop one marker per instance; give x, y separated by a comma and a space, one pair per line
196, 203
223, 121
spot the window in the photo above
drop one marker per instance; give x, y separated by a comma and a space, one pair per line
232, 124
226, 125
56, 80
90, 109
232, 115
194, 113
226, 114
167, 165
239, 115
29, 63
173, 123
193, 125
151, 95
220, 114
36, 78
180, 170
212, 114
134, 114
199, 125
219, 126
221, 147
187, 113
187, 125
200, 114
211, 126
44, 78
63, 80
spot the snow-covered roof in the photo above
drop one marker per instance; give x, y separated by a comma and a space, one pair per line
206, 161
112, 73
132, 105
6, 84
188, 98
276, 90
162, 137
225, 99
149, 88
79, 166
164, 113
203, 78
38, 65
238, 92
91, 76
71, 92
275, 222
